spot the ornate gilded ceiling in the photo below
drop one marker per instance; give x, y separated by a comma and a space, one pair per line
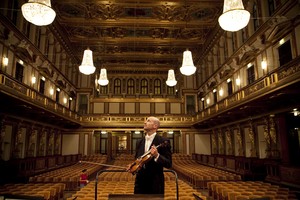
136, 34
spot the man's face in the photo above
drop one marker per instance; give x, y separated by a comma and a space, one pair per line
149, 124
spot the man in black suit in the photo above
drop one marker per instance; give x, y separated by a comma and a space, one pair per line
150, 178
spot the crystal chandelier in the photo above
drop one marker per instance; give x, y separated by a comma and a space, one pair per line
103, 77
234, 16
171, 78
38, 12
87, 66
187, 67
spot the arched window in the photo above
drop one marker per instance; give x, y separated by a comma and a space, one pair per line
130, 86
117, 86
157, 86
144, 86
271, 5
103, 89
255, 16
171, 90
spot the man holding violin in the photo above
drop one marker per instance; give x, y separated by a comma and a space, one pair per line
153, 153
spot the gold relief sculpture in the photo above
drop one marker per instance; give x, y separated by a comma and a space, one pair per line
229, 142
273, 133
251, 135
50, 143
239, 138
268, 141
253, 152
57, 143
214, 143
221, 142
42, 143
18, 144
2, 134
240, 142
32, 142
273, 136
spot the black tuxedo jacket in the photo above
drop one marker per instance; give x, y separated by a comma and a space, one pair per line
150, 178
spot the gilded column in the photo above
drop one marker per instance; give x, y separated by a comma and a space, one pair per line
214, 142
18, 142
32, 142
57, 143
240, 140
253, 152
192, 143
273, 137
42, 142
2, 134
229, 142
183, 137
220, 142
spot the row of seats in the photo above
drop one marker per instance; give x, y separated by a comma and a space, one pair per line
70, 175
238, 190
199, 175
104, 188
48, 191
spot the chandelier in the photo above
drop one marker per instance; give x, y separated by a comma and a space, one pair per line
103, 77
38, 12
234, 16
171, 78
187, 67
87, 66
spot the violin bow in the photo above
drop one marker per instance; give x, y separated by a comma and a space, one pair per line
105, 165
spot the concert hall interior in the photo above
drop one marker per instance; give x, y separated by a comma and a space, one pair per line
79, 78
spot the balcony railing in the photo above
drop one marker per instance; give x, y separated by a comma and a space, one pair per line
271, 82
29, 95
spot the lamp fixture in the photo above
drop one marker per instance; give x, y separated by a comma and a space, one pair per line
5, 61
221, 92
38, 12
87, 66
33, 79
238, 81
234, 16
188, 68
171, 78
51, 91
264, 64
103, 77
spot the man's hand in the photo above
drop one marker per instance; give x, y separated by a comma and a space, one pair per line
154, 151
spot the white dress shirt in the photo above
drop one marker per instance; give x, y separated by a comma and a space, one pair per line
148, 141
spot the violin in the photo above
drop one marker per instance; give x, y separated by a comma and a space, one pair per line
140, 161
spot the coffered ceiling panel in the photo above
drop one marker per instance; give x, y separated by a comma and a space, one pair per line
136, 34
